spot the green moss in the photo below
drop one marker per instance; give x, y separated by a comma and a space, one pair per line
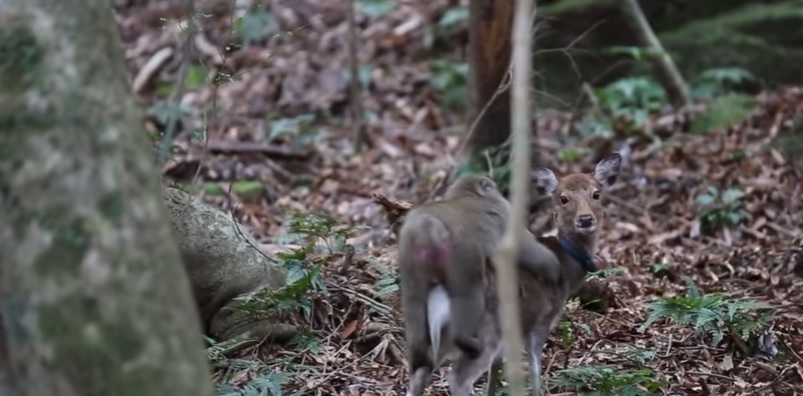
68, 248
96, 349
20, 57
112, 207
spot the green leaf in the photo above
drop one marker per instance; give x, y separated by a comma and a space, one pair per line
732, 195
212, 188
722, 112
638, 54
248, 189
253, 25
376, 8
196, 77
453, 16
704, 200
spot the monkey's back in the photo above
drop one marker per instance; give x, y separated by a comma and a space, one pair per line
470, 220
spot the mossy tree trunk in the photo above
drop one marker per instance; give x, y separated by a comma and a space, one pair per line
93, 296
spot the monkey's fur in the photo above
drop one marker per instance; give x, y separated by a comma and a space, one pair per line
448, 243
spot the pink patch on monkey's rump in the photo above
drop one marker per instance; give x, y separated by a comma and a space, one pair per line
436, 253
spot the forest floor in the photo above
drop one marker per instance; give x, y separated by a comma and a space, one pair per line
265, 128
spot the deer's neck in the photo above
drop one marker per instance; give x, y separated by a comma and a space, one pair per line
578, 251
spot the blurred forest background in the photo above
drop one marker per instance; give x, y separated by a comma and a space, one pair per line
252, 108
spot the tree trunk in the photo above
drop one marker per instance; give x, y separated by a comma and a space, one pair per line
490, 29
665, 68
94, 299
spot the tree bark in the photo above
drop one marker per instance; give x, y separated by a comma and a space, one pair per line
490, 29
93, 296
663, 64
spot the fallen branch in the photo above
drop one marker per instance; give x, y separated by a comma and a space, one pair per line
271, 150
395, 210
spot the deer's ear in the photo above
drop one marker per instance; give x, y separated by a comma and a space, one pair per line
544, 180
608, 169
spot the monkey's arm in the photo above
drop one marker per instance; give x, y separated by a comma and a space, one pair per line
536, 258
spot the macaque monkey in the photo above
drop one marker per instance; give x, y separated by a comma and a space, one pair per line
448, 243
578, 216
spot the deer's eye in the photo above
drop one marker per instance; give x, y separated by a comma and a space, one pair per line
595, 195
564, 200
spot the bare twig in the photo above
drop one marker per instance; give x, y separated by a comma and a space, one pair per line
224, 56
186, 49
357, 116
394, 210
271, 150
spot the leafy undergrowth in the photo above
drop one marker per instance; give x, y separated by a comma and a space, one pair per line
703, 228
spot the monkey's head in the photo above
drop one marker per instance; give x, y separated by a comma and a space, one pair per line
578, 197
473, 186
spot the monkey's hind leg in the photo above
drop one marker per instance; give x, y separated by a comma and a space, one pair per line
465, 284
416, 332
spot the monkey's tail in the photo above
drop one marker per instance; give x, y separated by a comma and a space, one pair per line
438, 314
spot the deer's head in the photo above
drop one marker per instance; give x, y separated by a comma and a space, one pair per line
578, 198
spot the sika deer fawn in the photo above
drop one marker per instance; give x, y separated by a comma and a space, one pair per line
579, 211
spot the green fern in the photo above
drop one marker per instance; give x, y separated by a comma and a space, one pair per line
269, 384
711, 314
607, 380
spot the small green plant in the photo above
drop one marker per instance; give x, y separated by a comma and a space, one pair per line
571, 155
265, 384
306, 341
163, 110
317, 233
637, 54
715, 82
791, 141
318, 227
453, 17
493, 158
723, 111
710, 314
604, 273
566, 330
376, 8
298, 129
639, 355
658, 267
389, 280
253, 26
632, 99
451, 79
607, 380
718, 209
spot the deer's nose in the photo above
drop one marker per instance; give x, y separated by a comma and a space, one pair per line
585, 221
